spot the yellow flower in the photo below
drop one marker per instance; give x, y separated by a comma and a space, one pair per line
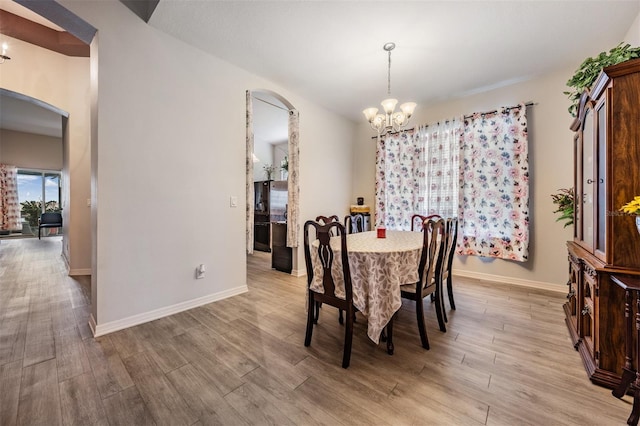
633, 206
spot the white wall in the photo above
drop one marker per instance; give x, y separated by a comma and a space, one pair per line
633, 35
551, 168
27, 150
170, 151
63, 82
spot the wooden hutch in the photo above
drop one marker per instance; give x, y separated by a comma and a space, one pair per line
605, 241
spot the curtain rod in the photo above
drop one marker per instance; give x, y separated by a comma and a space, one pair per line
393, 133
528, 104
495, 110
267, 102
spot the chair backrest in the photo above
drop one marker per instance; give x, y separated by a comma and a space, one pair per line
417, 220
50, 218
354, 223
451, 232
432, 256
324, 220
326, 255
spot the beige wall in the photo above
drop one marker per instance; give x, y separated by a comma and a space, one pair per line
30, 151
633, 35
169, 152
63, 82
551, 167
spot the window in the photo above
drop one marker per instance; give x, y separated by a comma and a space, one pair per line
34, 186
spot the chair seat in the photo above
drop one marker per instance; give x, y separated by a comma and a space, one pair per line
408, 288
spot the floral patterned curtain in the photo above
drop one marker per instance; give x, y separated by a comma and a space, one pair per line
249, 172
293, 212
398, 172
441, 146
494, 215
9, 204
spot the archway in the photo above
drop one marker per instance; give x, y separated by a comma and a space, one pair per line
292, 210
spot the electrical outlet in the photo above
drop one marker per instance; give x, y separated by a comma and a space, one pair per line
200, 271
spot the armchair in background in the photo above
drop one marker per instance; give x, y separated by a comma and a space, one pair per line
49, 220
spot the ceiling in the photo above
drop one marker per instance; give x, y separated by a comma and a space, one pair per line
21, 115
331, 52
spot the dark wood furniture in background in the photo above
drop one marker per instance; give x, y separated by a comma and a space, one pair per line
606, 242
631, 287
280, 253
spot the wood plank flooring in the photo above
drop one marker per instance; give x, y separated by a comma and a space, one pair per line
506, 359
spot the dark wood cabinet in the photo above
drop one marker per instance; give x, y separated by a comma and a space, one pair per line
606, 242
281, 256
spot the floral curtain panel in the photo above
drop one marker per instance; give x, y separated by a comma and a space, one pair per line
494, 214
9, 203
293, 212
399, 168
249, 171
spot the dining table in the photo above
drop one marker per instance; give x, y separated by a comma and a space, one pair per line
378, 266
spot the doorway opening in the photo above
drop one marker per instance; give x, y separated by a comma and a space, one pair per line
272, 184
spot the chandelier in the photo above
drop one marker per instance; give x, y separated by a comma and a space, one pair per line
390, 121
3, 56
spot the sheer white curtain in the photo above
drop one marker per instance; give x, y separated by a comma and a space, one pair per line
418, 172
494, 215
9, 203
441, 157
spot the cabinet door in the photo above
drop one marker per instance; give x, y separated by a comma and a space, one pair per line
600, 183
588, 176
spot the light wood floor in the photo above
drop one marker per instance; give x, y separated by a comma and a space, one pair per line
506, 359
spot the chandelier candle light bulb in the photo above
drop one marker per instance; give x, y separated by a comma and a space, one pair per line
390, 120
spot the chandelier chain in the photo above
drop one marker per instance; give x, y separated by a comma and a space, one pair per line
389, 76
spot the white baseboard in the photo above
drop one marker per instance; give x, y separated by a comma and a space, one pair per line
510, 280
299, 272
81, 271
92, 325
110, 327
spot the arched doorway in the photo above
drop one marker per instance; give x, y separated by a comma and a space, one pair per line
292, 205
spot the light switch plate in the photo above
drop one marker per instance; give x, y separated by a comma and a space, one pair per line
233, 201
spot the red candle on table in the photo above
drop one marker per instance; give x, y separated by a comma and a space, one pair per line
382, 232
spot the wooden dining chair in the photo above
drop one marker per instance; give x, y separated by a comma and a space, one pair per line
354, 223
429, 271
323, 220
327, 256
451, 232
417, 220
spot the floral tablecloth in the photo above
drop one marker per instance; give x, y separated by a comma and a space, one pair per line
379, 266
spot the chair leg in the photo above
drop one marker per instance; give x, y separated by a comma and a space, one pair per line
440, 311
310, 319
421, 327
340, 319
348, 338
450, 292
444, 311
318, 305
389, 339
39, 232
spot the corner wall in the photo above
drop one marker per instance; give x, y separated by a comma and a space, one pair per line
170, 152
63, 82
